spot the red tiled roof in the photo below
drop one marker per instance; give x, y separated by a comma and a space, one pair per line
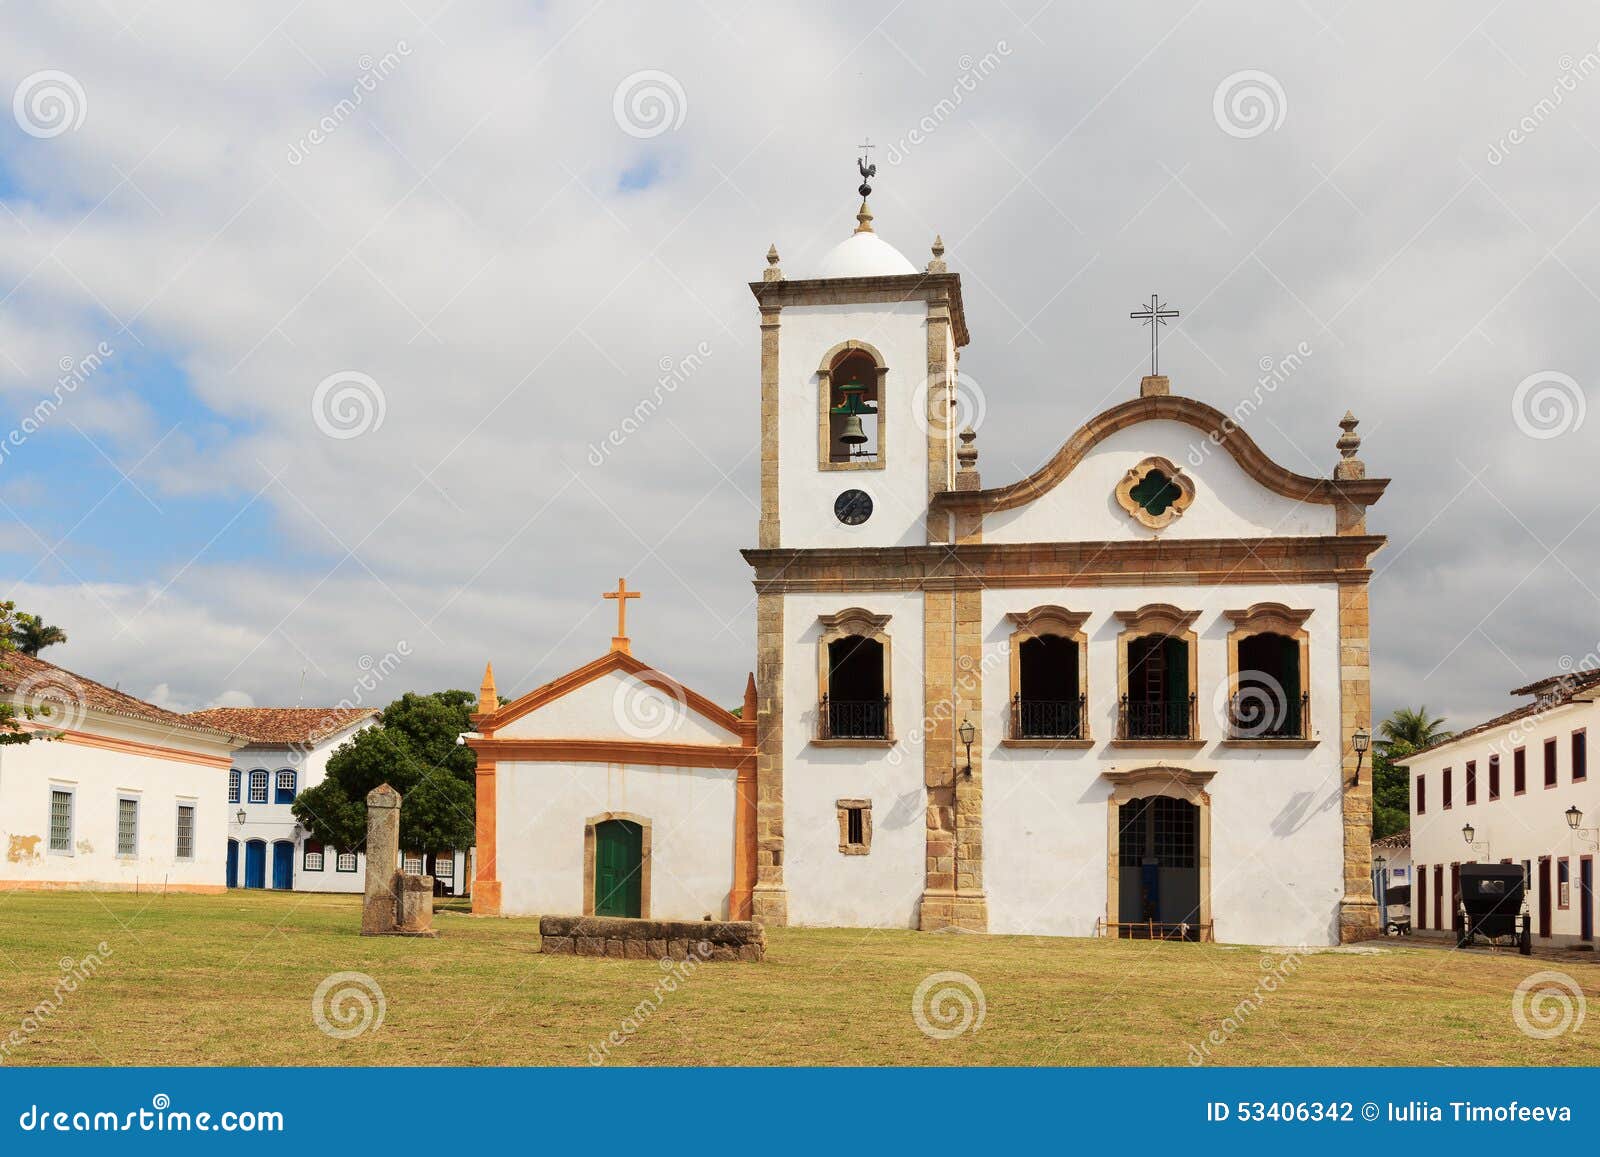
31, 681
1556, 691
1398, 840
271, 726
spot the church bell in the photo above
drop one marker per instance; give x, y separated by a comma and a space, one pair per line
852, 406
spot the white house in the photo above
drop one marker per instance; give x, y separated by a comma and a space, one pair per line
1392, 878
1517, 790
287, 751
113, 793
1115, 696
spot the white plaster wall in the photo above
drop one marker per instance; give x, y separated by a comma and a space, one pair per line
1276, 828
881, 889
541, 809
1514, 827
1228, 503
272, 822
899, 491
619, 705
98, 777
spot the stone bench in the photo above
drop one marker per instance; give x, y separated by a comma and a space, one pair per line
625, 939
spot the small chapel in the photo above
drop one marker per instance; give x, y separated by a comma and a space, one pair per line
1126, 695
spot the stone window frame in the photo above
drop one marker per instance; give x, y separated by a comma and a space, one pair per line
1140, 783
845, 807
1049, 619
1137, 474
1262, 619
646, 838
825, 402
1159, 619
855, 622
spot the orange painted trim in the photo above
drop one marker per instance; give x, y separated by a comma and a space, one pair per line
489, 723
100, 886
134, 747
487, 820
1212, 422
741, 896
636, 751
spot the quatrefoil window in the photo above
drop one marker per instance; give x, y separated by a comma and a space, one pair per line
1154, 493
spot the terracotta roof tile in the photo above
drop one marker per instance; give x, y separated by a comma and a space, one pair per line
31, 681
271, 726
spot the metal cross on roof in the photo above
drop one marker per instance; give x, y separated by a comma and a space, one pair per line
1155, 316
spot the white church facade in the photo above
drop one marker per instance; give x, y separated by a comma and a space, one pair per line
1117, 696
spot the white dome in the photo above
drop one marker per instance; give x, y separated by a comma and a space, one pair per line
864, 255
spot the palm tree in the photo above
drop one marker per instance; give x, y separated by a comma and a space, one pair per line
1413, 728
31, 634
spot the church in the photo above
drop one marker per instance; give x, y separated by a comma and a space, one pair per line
1125, 695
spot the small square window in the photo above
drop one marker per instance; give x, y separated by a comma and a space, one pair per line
855, 826
346, 862
411, 863
313, 856
444, 866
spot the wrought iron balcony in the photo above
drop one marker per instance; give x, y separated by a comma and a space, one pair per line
1157, 719
854, 718
1048, 718
1262, 715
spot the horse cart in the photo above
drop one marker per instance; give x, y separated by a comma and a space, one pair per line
1492, 906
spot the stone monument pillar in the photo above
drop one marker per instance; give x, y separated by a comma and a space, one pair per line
383, 861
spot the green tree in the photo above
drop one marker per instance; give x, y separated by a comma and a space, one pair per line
31, 634
10, 726
413, 749
1412, 726
1391, 789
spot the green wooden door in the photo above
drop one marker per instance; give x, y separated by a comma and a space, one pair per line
618, 860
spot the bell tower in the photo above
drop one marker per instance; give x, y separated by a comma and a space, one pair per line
858, 363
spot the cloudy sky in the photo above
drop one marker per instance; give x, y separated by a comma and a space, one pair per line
345, 297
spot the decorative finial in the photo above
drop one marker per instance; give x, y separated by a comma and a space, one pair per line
868, 171
967, 456
937, 265
772, 272
488, 698
1349, 466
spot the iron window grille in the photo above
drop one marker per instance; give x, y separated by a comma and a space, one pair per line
854, 719
1157, 718
1048, 718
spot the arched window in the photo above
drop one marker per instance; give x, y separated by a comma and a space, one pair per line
285, 787
233, 785
1157, 675
853, 678
258, 785
851, 426
1268, 675
1049, 677
313, 856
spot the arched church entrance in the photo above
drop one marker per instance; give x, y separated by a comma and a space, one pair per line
1159, 855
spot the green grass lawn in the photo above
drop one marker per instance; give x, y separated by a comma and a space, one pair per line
229, 980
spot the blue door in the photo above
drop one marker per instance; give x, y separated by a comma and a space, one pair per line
233, 863
255, 864
283, 865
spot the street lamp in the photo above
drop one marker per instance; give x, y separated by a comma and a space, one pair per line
1360, 740
968, 733
1575, 819
239, 815
1467, 832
